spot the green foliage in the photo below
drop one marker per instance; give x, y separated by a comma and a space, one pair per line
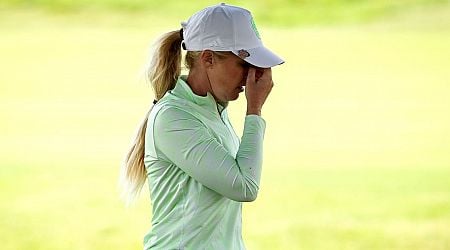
277, 12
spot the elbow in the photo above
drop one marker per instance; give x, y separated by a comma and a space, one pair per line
247, 195
249, 198
244, 190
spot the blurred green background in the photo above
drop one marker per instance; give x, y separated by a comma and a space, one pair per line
357, 146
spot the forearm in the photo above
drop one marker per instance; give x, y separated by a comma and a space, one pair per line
250, 154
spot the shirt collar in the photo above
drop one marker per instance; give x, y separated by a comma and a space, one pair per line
183, 90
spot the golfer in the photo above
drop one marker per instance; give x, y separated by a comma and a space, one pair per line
199, 172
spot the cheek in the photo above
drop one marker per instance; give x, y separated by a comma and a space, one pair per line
241, 73
235, 76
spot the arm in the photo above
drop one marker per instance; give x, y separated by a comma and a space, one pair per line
188, 144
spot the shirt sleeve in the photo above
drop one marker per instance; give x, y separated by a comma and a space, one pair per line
188, 144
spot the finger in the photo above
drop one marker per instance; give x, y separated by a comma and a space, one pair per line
251, 76
267, 75
259, 72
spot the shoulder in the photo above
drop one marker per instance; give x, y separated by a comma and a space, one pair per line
169, 114
173, 108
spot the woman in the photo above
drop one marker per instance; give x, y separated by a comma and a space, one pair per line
197, 169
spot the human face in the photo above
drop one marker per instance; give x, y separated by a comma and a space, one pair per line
227, 77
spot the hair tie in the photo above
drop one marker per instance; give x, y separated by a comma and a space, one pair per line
182, 39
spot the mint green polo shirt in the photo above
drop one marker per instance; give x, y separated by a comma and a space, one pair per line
199, 172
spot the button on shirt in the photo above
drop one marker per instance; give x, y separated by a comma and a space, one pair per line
199, 172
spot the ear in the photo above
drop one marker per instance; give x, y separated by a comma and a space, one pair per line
207, 58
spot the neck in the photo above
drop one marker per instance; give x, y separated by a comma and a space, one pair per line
198, 81
200, 85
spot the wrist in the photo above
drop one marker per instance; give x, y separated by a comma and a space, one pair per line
253, 111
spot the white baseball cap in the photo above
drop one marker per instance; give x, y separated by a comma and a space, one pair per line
228, 28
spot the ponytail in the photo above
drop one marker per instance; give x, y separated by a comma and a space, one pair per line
163, 72
165, 66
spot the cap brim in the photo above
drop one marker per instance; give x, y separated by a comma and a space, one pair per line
260, 57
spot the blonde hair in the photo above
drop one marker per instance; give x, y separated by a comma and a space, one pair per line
162, 72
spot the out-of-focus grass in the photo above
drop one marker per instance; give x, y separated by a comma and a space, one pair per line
275, 12
356, 146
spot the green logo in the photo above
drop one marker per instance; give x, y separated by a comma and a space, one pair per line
255, 29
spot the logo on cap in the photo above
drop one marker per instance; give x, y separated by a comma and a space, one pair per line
243, 53
255, 29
